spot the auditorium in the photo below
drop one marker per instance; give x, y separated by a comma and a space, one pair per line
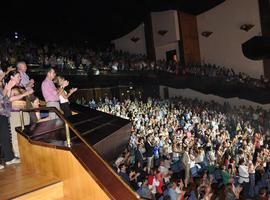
126, 100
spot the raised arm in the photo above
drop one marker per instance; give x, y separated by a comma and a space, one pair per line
14, 97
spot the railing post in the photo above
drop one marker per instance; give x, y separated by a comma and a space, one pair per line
67, 135
22, 120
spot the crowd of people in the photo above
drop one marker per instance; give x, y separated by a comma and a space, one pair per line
83, 59
188, 149
16, 93
179, 148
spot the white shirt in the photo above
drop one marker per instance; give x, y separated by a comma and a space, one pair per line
199, 158
243, 174
62, 99
163, 169
153, 186
192, 164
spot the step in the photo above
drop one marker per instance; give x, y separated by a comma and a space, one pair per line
50, 192
15, 181
64, 198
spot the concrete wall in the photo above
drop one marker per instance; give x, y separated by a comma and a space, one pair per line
223, 47
189, 93
161, 50
166, 20
126, 44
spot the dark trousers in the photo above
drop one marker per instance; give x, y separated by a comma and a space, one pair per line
5, 139
252, 185
66, 109
245, 191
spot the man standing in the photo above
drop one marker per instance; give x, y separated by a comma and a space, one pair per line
50, 93
186, 164
149, 151
26, 82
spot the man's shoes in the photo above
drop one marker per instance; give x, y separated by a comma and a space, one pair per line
2, 167
13, 161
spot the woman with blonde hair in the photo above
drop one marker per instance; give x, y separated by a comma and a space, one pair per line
63, 97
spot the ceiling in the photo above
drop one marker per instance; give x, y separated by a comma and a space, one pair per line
94, 21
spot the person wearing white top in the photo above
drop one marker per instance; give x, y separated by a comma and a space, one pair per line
200, 157
153, 186
243, 176
63, 97
186, 164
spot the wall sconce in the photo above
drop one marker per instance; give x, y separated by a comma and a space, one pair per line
135, 39
206, 33
162, 32
246, 27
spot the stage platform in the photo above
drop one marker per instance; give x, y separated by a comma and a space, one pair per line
16, 182
107, 134
97, 138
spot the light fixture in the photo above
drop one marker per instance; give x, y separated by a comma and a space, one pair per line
206, 33
247, 27
16, 35
162, 32
135, 39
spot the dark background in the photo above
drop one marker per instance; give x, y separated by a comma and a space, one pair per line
87, 22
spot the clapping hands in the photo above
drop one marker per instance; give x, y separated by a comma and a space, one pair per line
29, 92
72, 90
10, 69
30, 84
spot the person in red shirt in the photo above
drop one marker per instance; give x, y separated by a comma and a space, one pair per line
159, 177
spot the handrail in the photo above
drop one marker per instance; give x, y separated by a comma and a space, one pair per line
69, 125
53, 109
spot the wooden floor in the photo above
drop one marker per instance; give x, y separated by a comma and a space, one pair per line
15, 181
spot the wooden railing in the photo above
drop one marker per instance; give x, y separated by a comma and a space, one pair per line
59, 114
68, 127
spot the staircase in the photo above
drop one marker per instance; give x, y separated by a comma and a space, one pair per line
18, 183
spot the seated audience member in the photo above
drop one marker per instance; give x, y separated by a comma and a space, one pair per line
63, 97
50, 92
35, 117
